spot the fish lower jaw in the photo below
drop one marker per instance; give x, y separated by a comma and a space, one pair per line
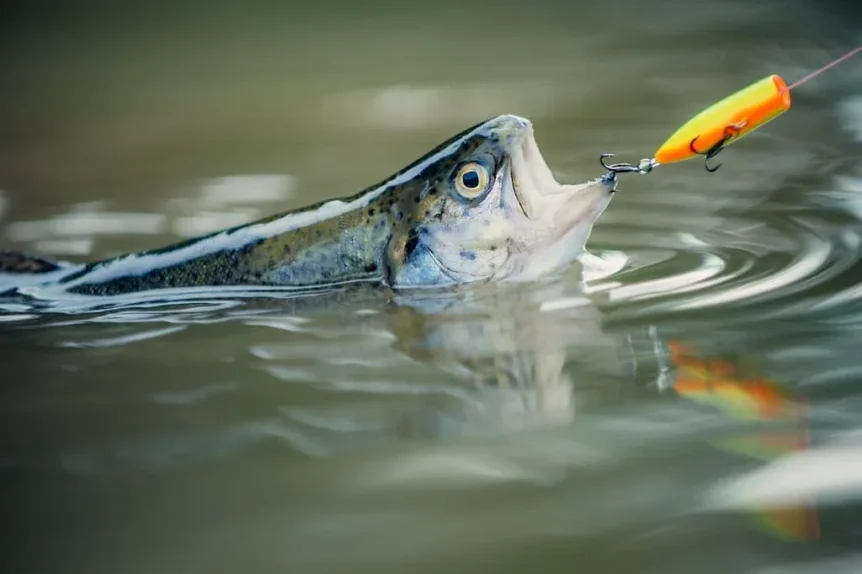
559, 239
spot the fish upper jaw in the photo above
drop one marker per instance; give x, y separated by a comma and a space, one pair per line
547, 205
556, 219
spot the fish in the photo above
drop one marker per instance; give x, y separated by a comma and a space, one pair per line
482, 206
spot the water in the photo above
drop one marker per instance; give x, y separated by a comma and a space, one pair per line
544, 427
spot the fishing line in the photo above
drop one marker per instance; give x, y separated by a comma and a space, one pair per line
819, 71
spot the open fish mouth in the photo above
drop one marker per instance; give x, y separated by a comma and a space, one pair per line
550, 222
548, 204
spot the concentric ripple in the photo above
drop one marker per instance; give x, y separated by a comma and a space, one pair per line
744, 262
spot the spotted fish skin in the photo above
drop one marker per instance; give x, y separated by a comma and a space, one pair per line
420, 227
345, 248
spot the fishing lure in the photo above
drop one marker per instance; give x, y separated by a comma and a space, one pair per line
723, 123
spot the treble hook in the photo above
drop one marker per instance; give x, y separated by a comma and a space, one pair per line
644, 166
729, 133
616, 167
710, 153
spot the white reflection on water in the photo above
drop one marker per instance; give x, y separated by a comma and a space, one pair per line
848, 195
851, 109
707, 273
829, 474
229, 201
67, 246
254, 188
214, 205
813, 255
408, 107
122, 340
205, 222
87, 223
453, 469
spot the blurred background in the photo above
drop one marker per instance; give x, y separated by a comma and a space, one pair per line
138, 106
214, 437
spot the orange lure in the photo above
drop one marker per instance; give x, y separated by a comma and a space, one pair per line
727, 121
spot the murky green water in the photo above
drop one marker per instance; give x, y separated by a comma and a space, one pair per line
541, 428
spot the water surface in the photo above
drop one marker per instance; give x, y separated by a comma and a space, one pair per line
558, 426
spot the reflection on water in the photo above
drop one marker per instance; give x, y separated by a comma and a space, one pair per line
687, 402
719, 382
219, 204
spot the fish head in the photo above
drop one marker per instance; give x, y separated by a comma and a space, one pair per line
485, 206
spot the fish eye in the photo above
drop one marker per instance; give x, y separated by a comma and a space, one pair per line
471, 180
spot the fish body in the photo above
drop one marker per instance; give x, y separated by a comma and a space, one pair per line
481, 206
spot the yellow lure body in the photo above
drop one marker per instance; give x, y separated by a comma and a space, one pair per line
728, 120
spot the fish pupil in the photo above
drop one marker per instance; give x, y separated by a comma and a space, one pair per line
470, 180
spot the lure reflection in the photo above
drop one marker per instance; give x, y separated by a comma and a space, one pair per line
718, 383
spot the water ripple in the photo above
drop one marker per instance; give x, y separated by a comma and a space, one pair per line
750, 265
121, 340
